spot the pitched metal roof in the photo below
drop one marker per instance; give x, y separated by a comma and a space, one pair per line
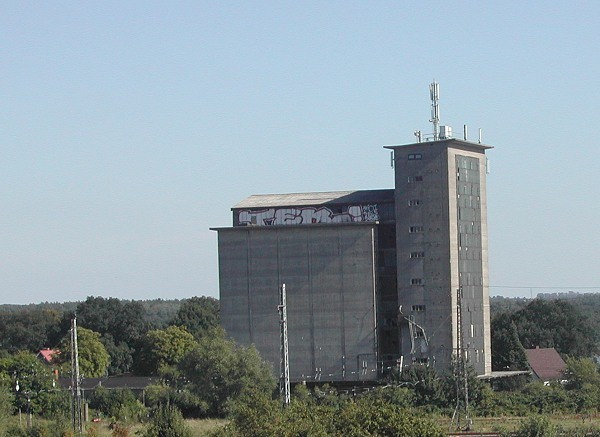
318, 198
546, 363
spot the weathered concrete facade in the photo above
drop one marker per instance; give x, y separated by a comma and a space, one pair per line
441, 235
371, 276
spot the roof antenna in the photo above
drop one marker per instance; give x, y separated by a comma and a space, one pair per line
434, 93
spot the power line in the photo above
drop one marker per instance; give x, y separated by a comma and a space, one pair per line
537, 287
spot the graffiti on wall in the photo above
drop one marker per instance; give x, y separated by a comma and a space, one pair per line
307, 215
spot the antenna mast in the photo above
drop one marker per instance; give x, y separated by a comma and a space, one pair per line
284, 368
461, 374
77, 418
434, 93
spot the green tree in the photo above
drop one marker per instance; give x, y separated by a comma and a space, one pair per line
121, 355
581, 371
93, 357
30, 330
557, 324
121, 325
507, 351
198, 315
427, 384
476, 392
7, 393
35, 381
219, 371
123, 320
162, 349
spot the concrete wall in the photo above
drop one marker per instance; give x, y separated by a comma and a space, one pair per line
329, 272
441, 216
427, 310
470, 260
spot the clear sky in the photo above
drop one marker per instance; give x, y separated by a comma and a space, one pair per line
128, 128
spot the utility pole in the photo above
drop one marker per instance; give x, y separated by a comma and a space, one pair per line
284, 366
461, 411
77, 418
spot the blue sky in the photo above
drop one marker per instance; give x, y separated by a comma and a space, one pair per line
127, 129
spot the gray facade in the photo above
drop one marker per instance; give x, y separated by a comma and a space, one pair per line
371, 276
324, 247
441, 241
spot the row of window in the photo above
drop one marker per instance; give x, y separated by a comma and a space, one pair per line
412, 179
471, 240
414, 156
467, 163
414, 202
424, 360
472, 189
469, 280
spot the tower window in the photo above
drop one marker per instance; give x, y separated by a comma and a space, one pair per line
417, 254
415, 156
414, 202
415, 229
418, 308
412, 179
417, 281
419, 334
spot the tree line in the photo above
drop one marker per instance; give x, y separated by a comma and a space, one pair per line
122, 329
202, 373
519, 324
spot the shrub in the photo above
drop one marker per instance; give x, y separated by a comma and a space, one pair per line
366, 417
120, 431
536, 426
117, 404
167, 421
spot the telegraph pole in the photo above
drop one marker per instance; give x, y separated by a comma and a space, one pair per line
461, 411
77, 418
284, 365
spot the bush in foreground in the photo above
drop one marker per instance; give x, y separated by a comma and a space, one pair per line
256, 414
167, 421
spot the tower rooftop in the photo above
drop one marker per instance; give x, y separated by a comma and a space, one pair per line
469, 145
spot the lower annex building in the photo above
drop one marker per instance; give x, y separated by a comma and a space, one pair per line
372, 277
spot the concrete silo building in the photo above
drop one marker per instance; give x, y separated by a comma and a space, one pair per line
373, 277
336, 254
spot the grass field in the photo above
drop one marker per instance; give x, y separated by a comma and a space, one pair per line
511, 423
480, 424
198, 427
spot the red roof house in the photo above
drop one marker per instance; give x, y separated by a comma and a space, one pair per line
546, 364
46, 355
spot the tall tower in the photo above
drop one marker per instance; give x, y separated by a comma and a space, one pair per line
441, 246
